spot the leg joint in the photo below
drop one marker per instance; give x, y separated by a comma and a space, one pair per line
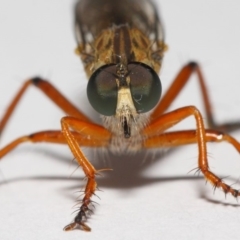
37, 80
193, 64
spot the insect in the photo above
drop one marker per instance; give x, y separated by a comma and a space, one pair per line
122, 49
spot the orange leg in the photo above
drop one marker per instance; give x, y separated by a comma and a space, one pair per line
156, 138
51, 92
178, 138
90, 172
178, 84
55, 137
84, 134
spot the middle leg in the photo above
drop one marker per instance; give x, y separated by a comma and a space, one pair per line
92, 135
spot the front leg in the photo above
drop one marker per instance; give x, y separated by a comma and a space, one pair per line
154, 135
89, 170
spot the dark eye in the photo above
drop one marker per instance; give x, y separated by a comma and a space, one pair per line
102, 90
145, 86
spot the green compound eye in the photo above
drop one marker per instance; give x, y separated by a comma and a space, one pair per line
145, 86
102, 90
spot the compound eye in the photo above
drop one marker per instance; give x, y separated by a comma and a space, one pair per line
145, 86
102, 90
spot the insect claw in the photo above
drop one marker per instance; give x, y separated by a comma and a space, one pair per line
75, 225
85, 227
70, 227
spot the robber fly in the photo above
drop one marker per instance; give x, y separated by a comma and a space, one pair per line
121, 44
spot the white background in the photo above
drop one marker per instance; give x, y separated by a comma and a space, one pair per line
145, 197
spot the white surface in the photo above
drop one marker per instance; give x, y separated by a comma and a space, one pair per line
150, 199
